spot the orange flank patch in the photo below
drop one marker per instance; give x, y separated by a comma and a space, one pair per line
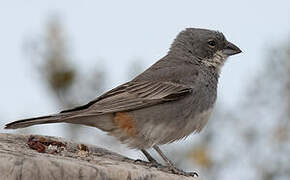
125, 122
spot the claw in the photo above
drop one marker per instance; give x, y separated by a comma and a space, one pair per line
193, 174
138, 160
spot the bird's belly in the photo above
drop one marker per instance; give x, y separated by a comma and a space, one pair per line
169, 132
166, 123
197, 123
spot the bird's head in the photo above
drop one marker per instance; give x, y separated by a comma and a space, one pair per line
208, 47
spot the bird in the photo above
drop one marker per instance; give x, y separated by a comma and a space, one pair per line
170, 100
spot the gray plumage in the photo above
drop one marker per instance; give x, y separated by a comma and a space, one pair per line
169, 101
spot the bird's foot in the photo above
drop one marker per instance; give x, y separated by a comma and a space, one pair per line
152, 163
155, 164
177, 171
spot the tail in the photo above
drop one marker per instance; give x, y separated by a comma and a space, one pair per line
57, 118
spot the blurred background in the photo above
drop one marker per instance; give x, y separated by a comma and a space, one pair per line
60, 54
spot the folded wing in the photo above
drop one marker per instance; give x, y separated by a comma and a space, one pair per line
134, 95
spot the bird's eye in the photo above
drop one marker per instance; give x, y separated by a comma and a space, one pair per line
211, 43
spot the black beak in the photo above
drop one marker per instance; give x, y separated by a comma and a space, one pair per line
231, 49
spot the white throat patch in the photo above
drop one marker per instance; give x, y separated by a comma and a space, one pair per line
218, 61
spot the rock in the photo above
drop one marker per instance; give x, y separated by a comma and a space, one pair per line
28, 157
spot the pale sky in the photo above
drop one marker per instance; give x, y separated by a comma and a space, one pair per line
119, 31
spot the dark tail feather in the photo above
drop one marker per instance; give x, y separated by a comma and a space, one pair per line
58, 118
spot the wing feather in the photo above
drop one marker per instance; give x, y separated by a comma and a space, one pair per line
134, 95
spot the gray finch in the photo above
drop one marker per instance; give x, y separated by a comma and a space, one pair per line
169, 101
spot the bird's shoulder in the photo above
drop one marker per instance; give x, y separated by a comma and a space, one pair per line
172, 69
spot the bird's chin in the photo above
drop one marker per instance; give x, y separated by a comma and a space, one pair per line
217, 61
219, 58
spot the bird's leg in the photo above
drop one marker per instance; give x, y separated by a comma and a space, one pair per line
158, 150
171, 166
150, 158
